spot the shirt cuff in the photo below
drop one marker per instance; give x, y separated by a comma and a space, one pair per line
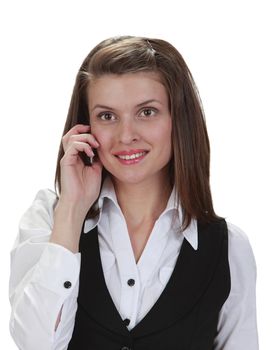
58, 270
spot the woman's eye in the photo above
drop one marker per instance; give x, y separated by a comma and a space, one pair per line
106, 116
148, 112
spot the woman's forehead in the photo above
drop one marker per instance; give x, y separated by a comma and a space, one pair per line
136, 87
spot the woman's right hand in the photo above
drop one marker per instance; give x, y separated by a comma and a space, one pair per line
80, 187
80, 183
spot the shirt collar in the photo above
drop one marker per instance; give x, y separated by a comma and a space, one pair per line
108, 191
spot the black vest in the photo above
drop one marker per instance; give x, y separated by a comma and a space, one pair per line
183, 318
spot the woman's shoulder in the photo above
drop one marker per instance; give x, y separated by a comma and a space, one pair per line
43, 202
46, 195
39, 216
240, 252
236, 235
235, 232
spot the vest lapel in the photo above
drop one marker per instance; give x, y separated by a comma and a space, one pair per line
193, 271
94, 296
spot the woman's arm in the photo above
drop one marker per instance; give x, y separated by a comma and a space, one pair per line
44, 278
237, 327
45, 263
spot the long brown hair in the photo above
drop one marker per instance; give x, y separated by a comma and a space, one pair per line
189, 167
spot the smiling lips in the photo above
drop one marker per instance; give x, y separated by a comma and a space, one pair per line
131, 156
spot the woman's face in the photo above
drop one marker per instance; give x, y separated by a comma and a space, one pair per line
130, 118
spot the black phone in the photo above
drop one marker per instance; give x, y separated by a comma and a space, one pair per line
86, 160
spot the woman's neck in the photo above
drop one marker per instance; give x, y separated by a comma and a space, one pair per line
143, 202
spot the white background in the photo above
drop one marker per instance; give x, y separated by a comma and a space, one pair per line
229, 47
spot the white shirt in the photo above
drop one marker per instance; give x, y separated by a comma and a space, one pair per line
39, 270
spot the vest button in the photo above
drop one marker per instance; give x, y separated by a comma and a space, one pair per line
67, 284
126, 321
131, 282
125, 348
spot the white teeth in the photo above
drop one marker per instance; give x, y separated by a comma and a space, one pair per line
132, 156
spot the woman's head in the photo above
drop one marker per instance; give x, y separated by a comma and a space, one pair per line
189, 167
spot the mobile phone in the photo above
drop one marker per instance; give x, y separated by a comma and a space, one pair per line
87, 160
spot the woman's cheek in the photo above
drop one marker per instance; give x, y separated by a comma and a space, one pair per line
104, 144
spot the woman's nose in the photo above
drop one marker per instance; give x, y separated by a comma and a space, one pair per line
128, 131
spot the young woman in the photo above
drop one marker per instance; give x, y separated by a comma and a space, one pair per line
128, 253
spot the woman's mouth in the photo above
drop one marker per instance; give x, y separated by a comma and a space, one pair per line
133, 158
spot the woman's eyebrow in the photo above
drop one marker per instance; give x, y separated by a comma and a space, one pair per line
113, 109
149, 101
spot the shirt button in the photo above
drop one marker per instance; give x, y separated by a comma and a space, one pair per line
126, 321
125, 348
131, 282
67, 284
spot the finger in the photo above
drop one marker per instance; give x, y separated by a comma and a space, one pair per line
75, 130
72, 153
89, 138
78, 129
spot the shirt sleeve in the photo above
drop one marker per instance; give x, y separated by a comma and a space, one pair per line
237, 326
44, 278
